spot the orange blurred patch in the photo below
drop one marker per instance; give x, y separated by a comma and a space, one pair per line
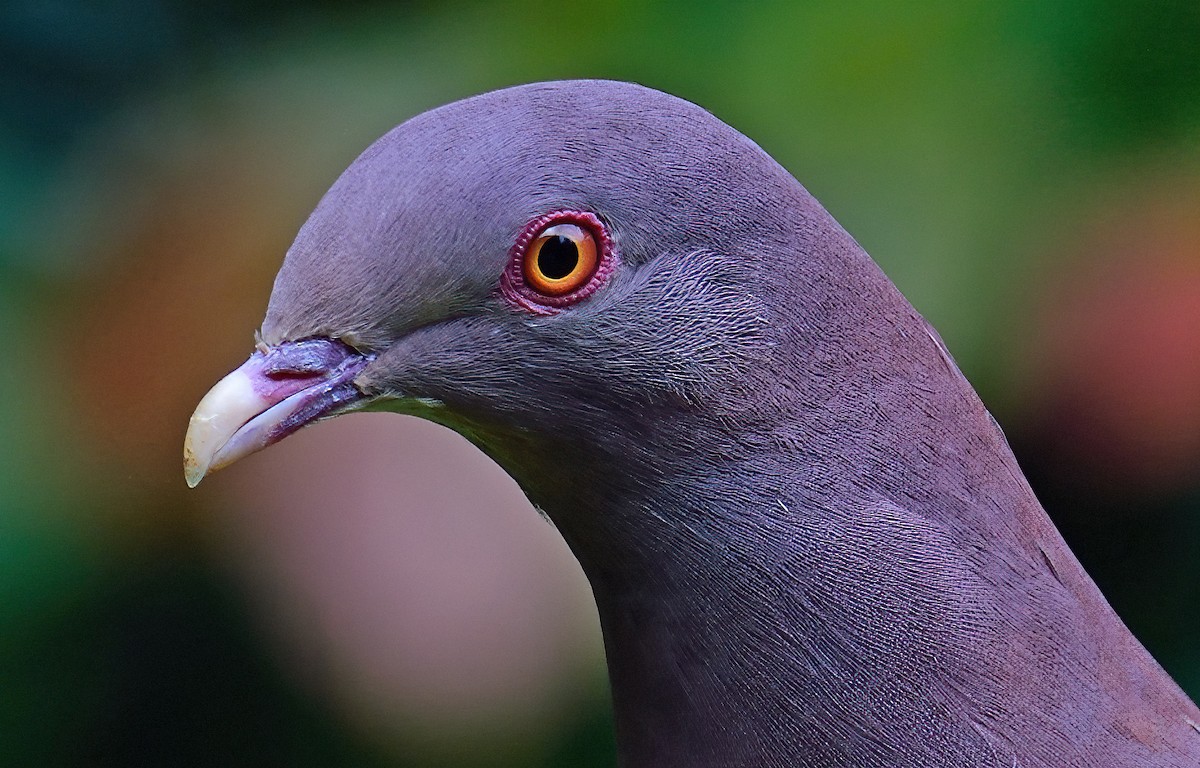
183, 283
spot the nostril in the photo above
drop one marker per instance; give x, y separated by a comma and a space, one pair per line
278, 374
304, 359
283, 363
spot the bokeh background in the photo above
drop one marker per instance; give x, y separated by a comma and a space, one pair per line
373, 592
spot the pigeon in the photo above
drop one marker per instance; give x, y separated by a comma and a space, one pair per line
808, 540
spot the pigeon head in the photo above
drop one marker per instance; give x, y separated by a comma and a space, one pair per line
578, 276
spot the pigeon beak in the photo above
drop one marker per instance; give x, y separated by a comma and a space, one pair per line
276, 392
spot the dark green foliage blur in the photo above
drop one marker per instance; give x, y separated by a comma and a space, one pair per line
961, 142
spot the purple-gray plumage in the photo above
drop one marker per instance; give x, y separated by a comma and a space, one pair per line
809, 543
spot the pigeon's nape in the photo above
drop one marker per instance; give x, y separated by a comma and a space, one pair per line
809, 543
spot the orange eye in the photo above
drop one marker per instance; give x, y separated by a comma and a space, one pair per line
561, 259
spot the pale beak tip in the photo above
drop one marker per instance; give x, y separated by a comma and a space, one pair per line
195, 467
226, 407
193, 471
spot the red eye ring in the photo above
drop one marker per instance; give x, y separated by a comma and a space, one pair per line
559, 258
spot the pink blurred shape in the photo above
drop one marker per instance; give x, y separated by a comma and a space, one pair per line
1116, 356
407, 575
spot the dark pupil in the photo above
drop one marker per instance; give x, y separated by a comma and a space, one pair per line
558, 257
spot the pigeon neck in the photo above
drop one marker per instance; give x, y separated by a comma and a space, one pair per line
753, 635
786, 630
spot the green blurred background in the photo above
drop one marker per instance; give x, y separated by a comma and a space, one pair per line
373, 592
